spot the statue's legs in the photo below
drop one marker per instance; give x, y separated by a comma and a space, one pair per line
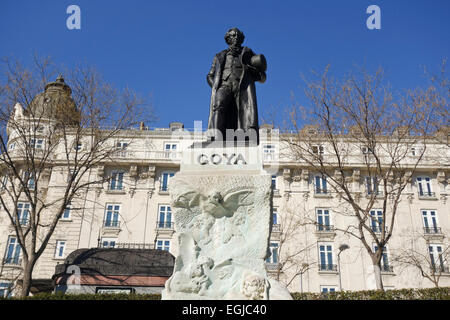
223, 103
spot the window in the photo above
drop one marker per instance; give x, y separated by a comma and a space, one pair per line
372, 185
12, 255
122, 145
36, 143
269, 151
23, 210
3, 181
376, 220
6, 289
413, 151
67, 211
273, 248
170, 149
165, 217
437, 261
326, 257
323, 220
116, 180
275, 216
318, 150
163, 245
430, 223
78, 146
165, 178
28, 178
108, 242
274, 183
384, 260
424, 185
112, 216
12, 146
320, 185
60, 247
327, 289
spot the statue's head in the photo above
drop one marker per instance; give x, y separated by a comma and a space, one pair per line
234, 36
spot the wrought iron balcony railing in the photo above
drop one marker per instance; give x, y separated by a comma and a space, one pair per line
387, 268
126, 245
165, 225
377, 229
276, 227
271, 266
427, 195
440, 269
12, 261
432, 230
375, 193
324, 228
327, 267
164, 188
111, 224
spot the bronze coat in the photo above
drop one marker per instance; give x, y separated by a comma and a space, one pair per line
247, 110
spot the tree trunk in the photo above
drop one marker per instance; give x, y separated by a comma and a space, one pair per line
26, 279
378, 277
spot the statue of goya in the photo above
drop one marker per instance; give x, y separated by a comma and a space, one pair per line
232, 78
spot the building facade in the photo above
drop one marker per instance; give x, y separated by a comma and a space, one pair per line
309, 252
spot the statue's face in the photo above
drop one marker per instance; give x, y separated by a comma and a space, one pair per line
234, 39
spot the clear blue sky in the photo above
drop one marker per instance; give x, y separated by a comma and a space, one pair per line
165, 48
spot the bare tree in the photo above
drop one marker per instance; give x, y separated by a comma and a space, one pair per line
66, 129
360, 131
427, 258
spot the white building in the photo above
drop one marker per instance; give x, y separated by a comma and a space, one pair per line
133, 210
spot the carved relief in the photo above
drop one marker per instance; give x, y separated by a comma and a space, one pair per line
223, 226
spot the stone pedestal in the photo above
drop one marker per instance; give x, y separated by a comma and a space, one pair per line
222, 208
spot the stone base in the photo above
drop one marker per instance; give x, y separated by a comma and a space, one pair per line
222, 218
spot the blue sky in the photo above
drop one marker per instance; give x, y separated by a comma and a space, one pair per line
165, 48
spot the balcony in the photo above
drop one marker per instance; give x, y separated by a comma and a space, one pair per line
325, 231
377, 229
323, 193
126, 245
115, 190
273, 266
113, 224
440, 269
167, 225
276, 228
276, 192
23, 221
328, 268
387, 269
427, 196
377, 194
432, 230
164, 190
324, 228
15, 262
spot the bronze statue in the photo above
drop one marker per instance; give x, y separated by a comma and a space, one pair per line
232, 79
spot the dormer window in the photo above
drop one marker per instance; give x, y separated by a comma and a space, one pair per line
317, 150
36, 143
121, 145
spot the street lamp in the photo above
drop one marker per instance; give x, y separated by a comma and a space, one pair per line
342, 247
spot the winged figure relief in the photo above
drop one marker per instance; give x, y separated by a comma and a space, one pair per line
214, 206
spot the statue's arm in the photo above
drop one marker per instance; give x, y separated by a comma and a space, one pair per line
257, 75
211, 73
